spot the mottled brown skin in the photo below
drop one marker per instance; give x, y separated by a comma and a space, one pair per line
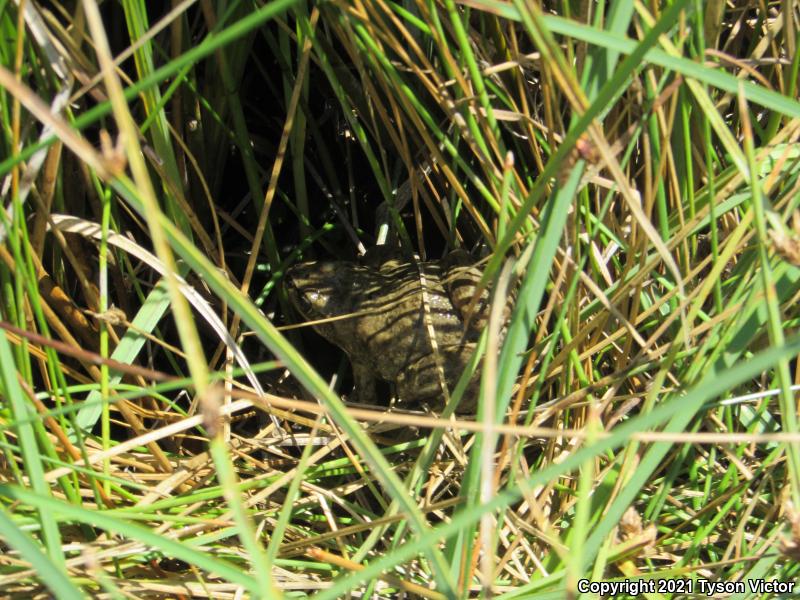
385, 333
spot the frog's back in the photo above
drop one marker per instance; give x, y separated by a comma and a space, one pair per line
394, 327
421, 343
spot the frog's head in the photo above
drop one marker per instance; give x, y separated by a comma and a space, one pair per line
312, 287
322, 291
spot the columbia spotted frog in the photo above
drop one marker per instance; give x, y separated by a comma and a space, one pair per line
397, 322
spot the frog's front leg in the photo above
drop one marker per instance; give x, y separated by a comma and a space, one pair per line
363, 385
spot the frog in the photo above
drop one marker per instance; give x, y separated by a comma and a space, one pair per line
414, 325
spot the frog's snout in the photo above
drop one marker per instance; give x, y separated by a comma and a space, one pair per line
296, 295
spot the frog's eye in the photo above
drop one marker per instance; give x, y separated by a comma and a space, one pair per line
302, 302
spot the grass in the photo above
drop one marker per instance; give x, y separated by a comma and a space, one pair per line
626, 174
